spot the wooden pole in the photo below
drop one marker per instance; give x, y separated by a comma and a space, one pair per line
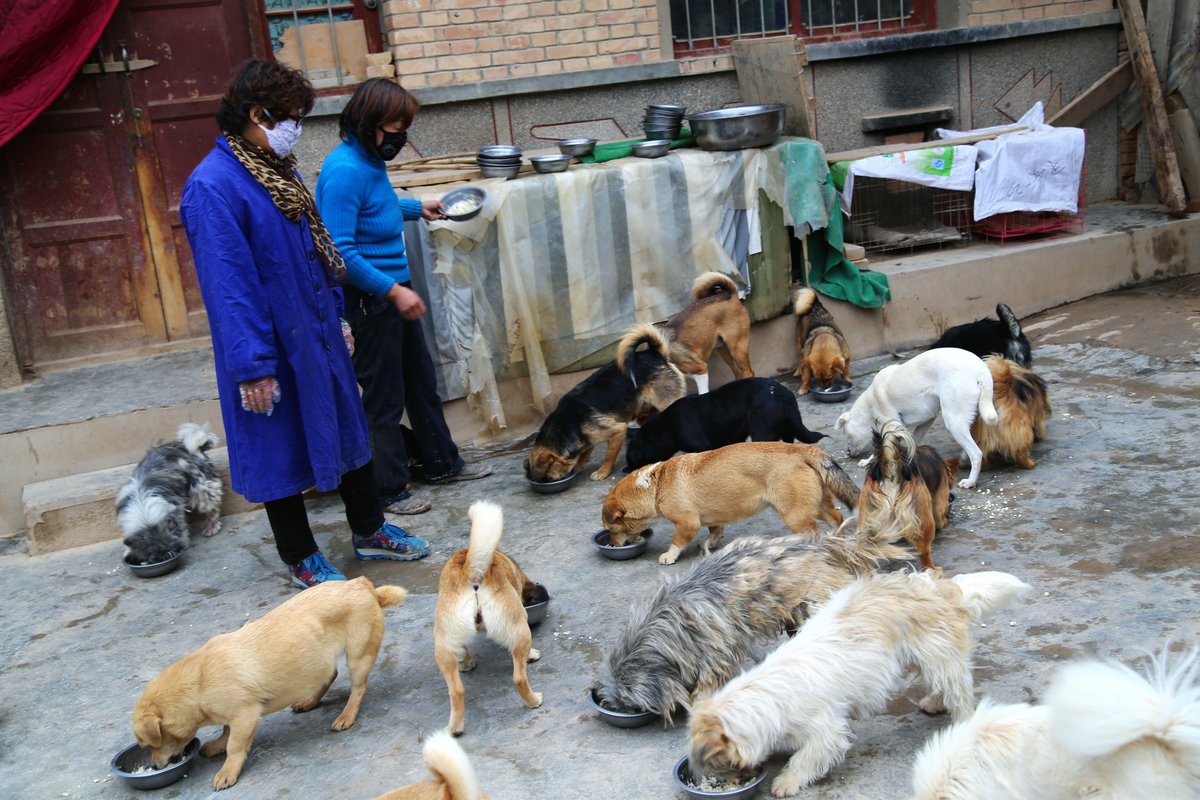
1154, 111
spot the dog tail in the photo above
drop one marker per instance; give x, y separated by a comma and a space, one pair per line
803, 301
450, 765
637, 336
711, 283
985, 593
987, 411
838, 482
196, 438
1096, 708
796, 421
1010, 319
871, 550
389, 596
896, 445
487, 523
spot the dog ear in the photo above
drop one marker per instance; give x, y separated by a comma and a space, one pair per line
613, 511
841, 421
147, 727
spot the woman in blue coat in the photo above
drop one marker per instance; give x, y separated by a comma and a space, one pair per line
268, 270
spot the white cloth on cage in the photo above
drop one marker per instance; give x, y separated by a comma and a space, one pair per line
938, 166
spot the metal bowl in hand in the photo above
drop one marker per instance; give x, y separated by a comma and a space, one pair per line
463, 203
738, 127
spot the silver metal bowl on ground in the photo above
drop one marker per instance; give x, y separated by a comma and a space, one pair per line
132, 765
551, 487
838, 391
469, 198
536, 611
576, 147
551, 163
620, 719
743, 792
601, 539
500, 172
652, 148
154, 570
738, 127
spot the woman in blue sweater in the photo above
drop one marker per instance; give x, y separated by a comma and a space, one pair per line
391, 360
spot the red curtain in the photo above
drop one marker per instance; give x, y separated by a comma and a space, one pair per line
43, 43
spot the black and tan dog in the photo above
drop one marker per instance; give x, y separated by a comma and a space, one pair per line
906, 493
715, 319
760, 409
1021, 400
635, 385
822, 351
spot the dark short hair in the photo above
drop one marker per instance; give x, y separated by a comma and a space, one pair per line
376, 101
279, 89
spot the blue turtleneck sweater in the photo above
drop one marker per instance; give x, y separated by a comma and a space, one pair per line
364, 217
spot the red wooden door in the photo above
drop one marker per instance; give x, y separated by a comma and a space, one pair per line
89, 193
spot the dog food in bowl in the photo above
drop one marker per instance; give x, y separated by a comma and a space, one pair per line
463, 203
632, 548
712, 786
154, 570
132, 765
551, 487
838, 391
620, 718
536, 610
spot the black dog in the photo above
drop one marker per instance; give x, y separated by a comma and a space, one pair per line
986, 336
759, 408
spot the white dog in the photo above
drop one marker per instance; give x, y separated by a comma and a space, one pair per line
1103, 731
948, 379
849, 659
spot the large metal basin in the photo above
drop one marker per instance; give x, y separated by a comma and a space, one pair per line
738, 127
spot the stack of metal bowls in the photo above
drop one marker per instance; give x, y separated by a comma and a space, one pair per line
499, 160
663, 121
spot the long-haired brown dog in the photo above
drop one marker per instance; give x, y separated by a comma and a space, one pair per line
731, 483
636, 384
906, 493
1023, 404
453, 776
236, 678
715, 319
696, 631
820, 346
482, 590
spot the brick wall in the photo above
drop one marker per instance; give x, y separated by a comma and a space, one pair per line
991, 12
466, 41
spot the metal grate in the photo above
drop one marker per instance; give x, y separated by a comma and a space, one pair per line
282, 15
890, 216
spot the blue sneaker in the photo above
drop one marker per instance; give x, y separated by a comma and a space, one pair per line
313, 570
390, 543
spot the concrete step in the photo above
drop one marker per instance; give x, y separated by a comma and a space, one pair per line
81, 509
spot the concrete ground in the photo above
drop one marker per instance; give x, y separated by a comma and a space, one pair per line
1104, 529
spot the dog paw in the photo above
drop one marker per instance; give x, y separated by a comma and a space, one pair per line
668, 558
932, 704
454, 731
212, 529
467, 664
307, 705
966, 483
343, 721
599, 474
534, 654
537, 700
784, 785
225, 778
213, 748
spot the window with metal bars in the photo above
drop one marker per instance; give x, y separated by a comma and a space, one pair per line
701, 27
329, 53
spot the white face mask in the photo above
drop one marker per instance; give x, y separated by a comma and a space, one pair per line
283, 136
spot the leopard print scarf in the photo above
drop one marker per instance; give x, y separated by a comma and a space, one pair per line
290, 195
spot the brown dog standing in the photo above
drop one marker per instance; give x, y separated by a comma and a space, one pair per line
715, 319
482, 590
821, 348
1023, 404
732, 483
236, 678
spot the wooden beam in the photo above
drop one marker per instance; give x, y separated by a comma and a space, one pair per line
771, 70
1094, 98
883, 149
1154, 112
1187, 145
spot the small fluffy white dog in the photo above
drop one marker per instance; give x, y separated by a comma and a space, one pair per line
948, 379
848, 660
1102, 731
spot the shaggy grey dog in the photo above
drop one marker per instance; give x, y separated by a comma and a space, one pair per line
696, 631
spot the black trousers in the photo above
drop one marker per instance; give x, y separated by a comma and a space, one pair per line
396, 374
289, 520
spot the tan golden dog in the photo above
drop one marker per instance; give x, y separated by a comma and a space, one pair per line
822, 350
236, 678
1023, 404
598, 409
453, 776
732, 483
906, 493
715, 319
482, 590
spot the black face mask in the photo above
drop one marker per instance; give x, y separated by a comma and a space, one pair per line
392, 144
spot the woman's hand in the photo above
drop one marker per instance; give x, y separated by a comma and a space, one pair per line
348, 337
260, 395
407, 302
432, 209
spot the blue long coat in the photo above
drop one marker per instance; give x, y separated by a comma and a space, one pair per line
272, 310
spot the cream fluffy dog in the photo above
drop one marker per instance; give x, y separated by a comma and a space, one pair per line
848, 660
947, 379
1102, 731
236, 678
453, 776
